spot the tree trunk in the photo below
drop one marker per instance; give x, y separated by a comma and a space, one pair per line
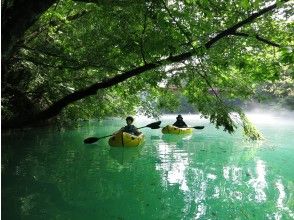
18, 18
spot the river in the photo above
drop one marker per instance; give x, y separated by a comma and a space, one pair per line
50, 174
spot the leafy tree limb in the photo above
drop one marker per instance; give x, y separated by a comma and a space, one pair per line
56, 107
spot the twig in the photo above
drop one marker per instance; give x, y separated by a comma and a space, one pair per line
256, 36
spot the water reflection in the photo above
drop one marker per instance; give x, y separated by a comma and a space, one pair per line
233, 173
259, 183
176, 170
173, 163
280, 204
124, 155
178, 140
234, 184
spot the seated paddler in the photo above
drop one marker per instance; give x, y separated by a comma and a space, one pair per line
180, 122
130, 128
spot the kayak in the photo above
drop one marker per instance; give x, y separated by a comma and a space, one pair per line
124, 139
170, 129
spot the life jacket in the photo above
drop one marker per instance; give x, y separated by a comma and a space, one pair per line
131, 129
180, 124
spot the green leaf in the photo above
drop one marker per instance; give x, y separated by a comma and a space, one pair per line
245, 4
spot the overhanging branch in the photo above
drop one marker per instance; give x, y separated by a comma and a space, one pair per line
56, 107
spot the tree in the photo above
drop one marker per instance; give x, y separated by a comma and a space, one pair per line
126, 53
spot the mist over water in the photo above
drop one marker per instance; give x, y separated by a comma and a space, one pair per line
269, 113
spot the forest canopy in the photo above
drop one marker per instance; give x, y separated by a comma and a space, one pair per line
83, 59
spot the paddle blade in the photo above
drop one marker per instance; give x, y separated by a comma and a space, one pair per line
154, 125
198, 127
90, 140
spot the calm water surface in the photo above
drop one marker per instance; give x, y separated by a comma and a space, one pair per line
208, 175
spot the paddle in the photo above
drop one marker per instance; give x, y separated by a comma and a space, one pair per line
197, 127
91, 140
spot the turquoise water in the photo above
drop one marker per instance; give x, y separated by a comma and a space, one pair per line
210, 174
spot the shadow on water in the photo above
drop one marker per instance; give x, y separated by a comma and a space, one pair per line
155, 137
24, 194
28, 192
180, 140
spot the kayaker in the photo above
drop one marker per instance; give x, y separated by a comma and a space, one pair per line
180, 123
131, 129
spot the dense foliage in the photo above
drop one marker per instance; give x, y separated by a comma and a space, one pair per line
181, 48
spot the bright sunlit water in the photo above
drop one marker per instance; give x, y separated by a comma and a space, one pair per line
210, 174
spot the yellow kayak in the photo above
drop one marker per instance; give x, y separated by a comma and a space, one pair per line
170, 129
124, 139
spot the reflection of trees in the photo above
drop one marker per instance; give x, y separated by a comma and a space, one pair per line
54, 174
29, 192
219, 178
29, 188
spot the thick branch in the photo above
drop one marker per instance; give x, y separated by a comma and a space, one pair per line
92, 90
